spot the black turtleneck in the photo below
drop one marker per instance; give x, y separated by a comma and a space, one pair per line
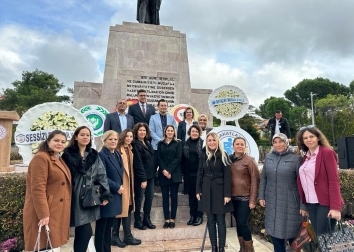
193, 157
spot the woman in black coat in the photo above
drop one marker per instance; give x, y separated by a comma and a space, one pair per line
86, 168
191, 154
112, 161
214, 188
144, 174
169, 151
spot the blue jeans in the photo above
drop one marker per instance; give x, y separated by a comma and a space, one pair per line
318, 217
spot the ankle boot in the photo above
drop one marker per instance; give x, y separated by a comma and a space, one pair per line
242, 244
214, 248
138, 224
115, 241
147, 222
130, 240
222, 249
249, 246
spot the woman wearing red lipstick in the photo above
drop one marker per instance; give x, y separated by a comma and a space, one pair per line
318, 180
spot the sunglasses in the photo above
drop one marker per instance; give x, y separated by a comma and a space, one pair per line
307, 127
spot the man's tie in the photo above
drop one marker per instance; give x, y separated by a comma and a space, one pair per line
143, 108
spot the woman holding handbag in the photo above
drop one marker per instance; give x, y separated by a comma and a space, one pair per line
87, 171
214, 189
318, 180
113, 163
48, 194
244, 188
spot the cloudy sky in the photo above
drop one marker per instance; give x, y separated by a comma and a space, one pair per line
264, 47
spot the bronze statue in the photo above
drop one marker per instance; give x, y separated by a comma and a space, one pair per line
148, 11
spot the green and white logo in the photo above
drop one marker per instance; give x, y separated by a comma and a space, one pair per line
95, 115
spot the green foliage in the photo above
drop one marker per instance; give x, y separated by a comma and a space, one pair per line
248, 123
278, 104
12, 198
300, 94
298, 118
35, 88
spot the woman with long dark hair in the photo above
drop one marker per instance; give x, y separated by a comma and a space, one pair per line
144, 174
214, 189
169, 151
86, 170
318, 180
124, 147
48, 194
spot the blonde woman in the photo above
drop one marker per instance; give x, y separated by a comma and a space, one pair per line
214, 189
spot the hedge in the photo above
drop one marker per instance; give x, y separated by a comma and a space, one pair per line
12, 195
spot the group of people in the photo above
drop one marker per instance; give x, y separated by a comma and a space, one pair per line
142, 146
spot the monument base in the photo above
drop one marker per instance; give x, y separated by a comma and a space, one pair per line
7, 169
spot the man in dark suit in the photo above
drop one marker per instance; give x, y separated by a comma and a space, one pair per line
119, 120
141, 112
279, 124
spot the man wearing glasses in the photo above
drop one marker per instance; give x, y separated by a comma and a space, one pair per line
141, 112
119, 120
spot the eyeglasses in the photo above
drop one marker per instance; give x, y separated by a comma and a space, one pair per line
122, 103
307, 127
202, 120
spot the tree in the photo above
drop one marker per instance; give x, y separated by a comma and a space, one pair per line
276, 103
248, 123
35, 88
329, 107
351, 87
300, 94
298, 117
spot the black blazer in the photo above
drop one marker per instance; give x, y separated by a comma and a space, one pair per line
181, 131
283, 127
143, 161
114, 172
112, 122
137, 114
170, 156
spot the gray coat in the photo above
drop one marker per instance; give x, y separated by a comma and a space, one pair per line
279, 190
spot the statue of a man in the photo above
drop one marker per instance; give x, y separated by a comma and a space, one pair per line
148, 11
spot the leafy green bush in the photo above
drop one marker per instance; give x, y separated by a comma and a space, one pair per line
12, 198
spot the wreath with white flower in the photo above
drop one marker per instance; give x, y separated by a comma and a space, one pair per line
53, 120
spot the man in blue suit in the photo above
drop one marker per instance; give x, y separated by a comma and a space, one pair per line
141, 112
119, 120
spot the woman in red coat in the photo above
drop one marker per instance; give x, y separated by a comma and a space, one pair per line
318, 180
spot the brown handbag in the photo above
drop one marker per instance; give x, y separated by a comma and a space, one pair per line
302, 236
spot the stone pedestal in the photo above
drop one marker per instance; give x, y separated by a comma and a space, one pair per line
143, 56
6, 119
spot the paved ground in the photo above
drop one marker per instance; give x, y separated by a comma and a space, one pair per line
260, 245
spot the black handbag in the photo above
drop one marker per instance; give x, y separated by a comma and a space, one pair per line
92, 194
341, 240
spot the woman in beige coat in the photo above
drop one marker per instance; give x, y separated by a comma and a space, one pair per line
48, 194
125, 149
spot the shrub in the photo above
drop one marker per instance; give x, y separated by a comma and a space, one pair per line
12, 198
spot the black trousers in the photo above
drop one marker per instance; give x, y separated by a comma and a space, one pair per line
148, 191
280, 244
167, 191
219, 220
126, 222
193, 201
318, 217
82, 237
103, 234
242, 213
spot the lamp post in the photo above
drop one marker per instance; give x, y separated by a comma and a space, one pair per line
313, 114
